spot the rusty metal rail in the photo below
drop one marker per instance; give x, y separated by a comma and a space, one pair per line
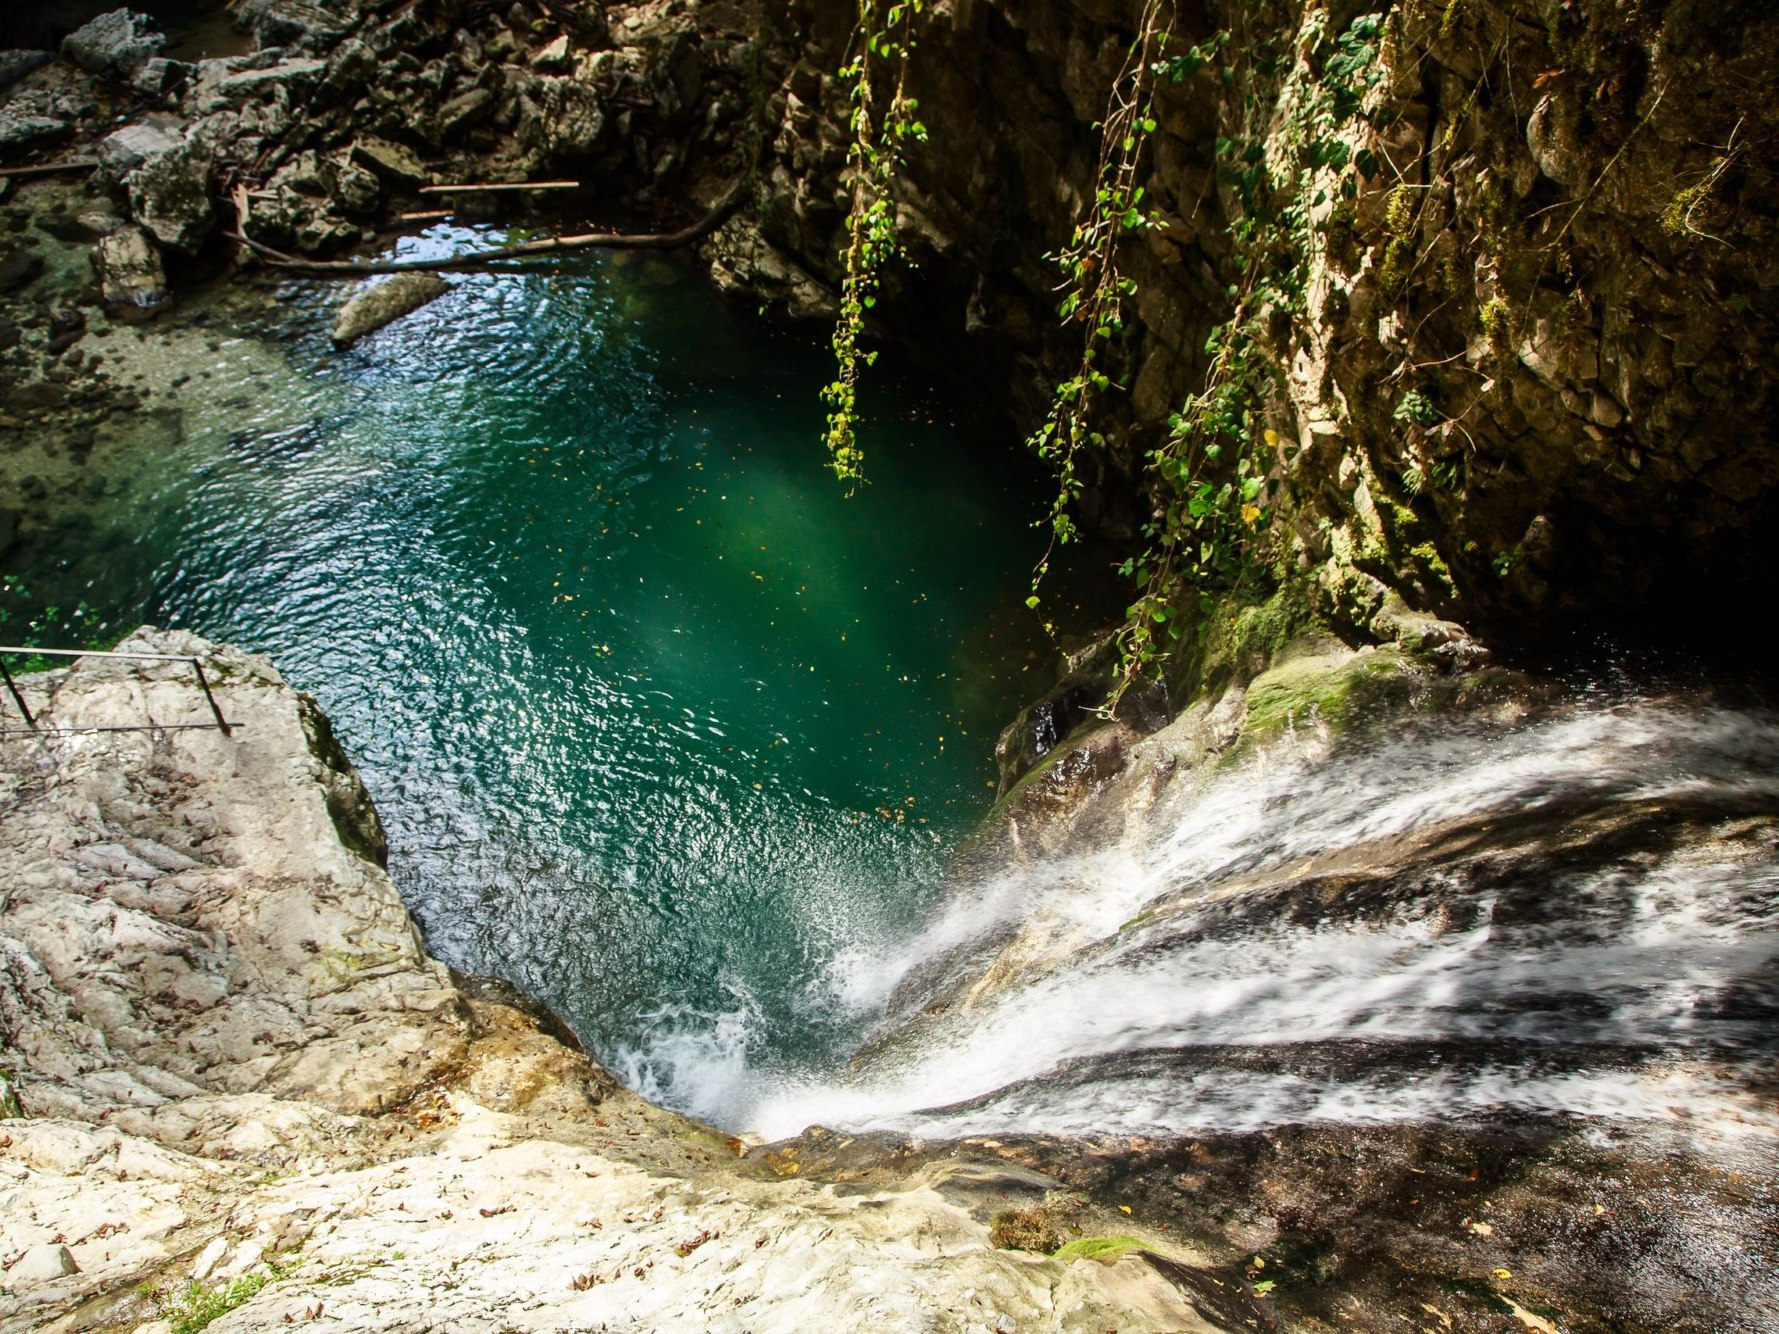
33, 728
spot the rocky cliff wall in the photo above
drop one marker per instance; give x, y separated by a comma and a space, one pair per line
1523, 377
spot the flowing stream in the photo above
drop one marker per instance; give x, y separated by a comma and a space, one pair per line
1572, 916
680, 740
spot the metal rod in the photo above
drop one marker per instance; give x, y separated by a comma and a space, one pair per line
94, 653
135, 727
17, 698
215, 708
498, 185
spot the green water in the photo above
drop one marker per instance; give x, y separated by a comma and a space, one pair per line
664, 728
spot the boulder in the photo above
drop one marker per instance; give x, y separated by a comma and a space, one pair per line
290, 23
379, 303
587, 24
221, 85
14, 65
116, 44
170, 196
560, 119
355, 189
42, 1264
553, 57
22, 132
160, 76
121, 152
392, 163
464, 112
130, 275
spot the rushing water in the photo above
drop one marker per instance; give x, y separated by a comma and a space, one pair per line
1577, 916
659, 721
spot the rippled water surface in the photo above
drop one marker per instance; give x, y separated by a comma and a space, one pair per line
660, 723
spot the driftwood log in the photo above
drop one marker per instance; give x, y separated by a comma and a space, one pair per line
554, 245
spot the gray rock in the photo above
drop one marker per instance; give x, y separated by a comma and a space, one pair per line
130, 275
391, 162
291, 23
14, 65
553, 57
43, 1264
560, 119
587, 24
379, 303
20, 133
170, 196
159, 76
461, 113
122, 152
118, 43
221, 85
355, 189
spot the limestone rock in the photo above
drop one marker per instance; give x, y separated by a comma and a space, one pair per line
560, 119
42, 1264
122, 151
130, 274
170, 196
116, 44
379, 303
20, 133
553, 57
391, 162
292, 23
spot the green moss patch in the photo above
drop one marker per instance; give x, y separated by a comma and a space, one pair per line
1331, 688
1106, 1250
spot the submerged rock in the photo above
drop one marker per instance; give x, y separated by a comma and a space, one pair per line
17, 268
379, 303
130, 273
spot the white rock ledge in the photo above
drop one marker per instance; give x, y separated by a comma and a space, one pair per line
237, 1062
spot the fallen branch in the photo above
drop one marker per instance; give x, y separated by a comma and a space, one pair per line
554, 245
45, 168
514, 185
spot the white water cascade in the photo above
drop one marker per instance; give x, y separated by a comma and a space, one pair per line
1573, 916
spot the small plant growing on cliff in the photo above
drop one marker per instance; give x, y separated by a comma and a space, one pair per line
198, 1306
881, 130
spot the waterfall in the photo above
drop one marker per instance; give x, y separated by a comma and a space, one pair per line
1572, 916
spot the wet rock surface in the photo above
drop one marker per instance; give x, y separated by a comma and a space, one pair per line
381, 303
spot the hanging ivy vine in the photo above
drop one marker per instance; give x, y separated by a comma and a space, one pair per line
1210, 478
1095, 289
883, 124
